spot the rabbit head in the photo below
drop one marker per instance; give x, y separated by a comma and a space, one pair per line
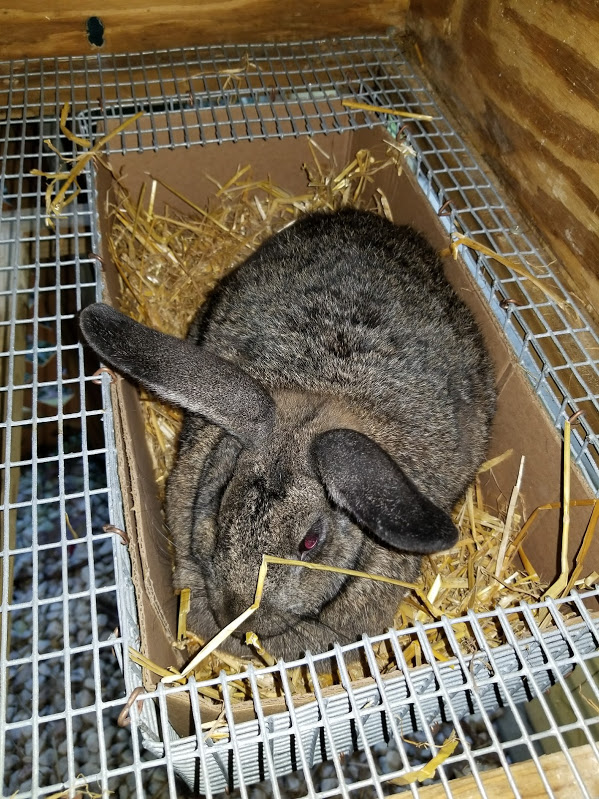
287, 473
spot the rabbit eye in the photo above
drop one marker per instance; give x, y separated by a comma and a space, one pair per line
312, 537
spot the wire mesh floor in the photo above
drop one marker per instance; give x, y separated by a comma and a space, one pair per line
68, 612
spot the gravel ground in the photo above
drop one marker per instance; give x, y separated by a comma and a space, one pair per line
45, 575
53, 693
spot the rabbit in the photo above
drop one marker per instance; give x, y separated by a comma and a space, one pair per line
338, 401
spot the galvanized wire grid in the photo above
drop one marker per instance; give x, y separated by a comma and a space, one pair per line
70, 574
333, 727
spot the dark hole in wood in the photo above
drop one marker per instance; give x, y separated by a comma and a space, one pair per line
95, 31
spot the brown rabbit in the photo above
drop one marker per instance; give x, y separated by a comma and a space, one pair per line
338, 400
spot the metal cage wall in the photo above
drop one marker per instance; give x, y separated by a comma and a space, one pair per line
66, 580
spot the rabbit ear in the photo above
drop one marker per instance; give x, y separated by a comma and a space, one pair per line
179, 372
363, 480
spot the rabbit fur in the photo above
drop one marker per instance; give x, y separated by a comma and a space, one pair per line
338, 399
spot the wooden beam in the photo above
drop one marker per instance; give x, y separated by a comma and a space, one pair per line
522, 78
54, 28
527, 779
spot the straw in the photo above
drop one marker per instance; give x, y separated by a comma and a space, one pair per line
427, 771
512, 264
508, 521
377, 109
168, 262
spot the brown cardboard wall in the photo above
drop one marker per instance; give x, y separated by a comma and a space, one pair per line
521, 423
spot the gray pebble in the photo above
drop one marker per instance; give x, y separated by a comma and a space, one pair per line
54, 631
327, 769
47, 757
11, 763
81, 759
84, 698
118, 747
83, 636
46, 523
20, 628
46, 669
393, 759
109, 732
293, 782
380, 748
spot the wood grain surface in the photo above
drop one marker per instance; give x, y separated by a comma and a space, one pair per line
527, 779
53, 27
522, 78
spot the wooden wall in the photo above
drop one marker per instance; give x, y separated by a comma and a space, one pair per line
522, 78
56, 27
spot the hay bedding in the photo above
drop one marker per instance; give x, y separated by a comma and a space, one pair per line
168, 263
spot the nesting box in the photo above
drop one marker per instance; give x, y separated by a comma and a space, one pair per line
521, 424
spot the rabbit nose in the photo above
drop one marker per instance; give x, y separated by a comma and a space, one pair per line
231, 607
249, 625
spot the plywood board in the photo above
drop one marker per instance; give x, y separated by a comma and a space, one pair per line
53, 28
520, 423
556, 771
522, 79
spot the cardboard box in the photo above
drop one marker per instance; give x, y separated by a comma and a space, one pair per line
521, 423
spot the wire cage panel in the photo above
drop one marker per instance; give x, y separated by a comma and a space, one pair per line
386, 708
65, 574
